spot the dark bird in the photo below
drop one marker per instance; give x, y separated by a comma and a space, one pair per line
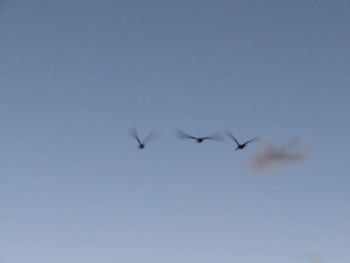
183, 135
142, 143
239, 145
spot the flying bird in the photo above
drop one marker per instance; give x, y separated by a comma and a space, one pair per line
240, 146
183, 135
142, 143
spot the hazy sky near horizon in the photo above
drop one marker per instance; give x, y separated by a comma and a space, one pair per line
75, 75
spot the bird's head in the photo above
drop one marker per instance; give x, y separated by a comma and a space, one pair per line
141, 146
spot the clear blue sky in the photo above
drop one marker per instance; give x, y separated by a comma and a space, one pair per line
75, 75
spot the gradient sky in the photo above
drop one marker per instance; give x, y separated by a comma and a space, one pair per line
76, 74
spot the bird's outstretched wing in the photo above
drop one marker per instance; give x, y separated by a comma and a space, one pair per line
229, 134
183, 135
150, 137
133, 133
252, 140
215, 137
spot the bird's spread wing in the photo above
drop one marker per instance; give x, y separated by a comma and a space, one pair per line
150, 137
216, 137
229, 134
133, 133
183, 135
252, 140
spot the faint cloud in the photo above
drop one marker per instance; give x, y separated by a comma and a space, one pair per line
270, 156
314, 257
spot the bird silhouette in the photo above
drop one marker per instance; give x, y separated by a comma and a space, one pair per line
240, 146
142, 143
183, 135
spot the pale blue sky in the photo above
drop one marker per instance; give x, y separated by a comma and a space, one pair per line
75, 75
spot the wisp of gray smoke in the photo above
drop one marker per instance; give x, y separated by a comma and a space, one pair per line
271, 156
